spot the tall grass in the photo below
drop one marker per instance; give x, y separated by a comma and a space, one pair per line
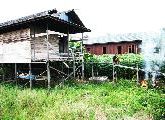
123, 100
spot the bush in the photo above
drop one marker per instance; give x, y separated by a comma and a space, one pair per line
102, 65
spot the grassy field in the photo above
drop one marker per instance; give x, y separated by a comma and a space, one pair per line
121, 101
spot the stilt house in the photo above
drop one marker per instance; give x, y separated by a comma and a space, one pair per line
38, 38
27, 39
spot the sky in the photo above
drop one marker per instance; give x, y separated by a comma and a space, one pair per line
101, 16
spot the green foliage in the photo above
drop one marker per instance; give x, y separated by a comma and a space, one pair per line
102, 64
1, 71
123, 100
7, 70
75, 45
163, 67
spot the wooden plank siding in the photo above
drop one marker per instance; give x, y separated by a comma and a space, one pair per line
40, 47
112, 48
20, 46
15, 46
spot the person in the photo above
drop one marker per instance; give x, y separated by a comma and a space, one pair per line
115, 59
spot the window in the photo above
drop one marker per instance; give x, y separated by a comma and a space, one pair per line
131, 49
104, 50
88, 49
119, 50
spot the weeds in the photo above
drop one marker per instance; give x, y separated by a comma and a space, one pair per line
123, 100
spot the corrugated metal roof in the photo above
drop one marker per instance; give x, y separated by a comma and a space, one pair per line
68, 17
128, 37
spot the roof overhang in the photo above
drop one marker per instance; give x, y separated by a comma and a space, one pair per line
133, 41
54, 23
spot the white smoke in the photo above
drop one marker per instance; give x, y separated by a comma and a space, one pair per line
153, 50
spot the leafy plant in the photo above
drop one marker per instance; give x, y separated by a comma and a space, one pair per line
102, 64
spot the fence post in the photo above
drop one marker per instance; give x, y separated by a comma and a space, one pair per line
137, 74
92, 70
113, 70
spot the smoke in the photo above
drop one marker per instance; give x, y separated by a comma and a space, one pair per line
153, 50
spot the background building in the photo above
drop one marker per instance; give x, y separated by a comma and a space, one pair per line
114, 44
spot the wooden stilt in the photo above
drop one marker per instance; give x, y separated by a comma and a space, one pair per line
82, 58
47, 63
48, 74
3, 73
15, 73
68, 42
74, 73
30, 74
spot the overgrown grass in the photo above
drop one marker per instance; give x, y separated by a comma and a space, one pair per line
123, 100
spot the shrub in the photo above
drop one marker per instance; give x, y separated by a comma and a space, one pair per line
102, 65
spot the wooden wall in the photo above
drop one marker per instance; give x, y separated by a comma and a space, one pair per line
15, 47
20, 46
39, 47
111, 48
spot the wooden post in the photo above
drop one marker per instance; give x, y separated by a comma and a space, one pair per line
113, 70
137, 74
34, 42
68, 42
3, 76
62, 68
48, 74
30, 76
16, 73
92, 71
74, 72
47, 63
137, 68
82, 57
